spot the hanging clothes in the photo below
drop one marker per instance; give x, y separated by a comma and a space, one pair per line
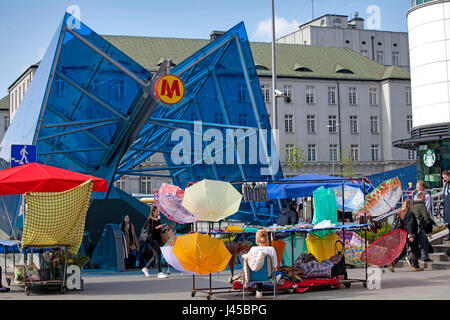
254, 191
324, 208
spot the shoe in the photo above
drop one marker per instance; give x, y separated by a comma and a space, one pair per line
427, 260
162, 275
417, 269
391, 267
259, 294
145, 271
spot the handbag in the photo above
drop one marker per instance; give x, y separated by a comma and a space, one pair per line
428, 227
166, 235
143, 237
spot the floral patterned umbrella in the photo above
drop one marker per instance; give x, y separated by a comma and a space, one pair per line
168, 200
383, 199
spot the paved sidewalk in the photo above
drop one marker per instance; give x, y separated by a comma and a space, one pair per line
133, 285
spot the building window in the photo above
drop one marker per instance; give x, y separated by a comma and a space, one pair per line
411, 154
310, 99
265, 89
364, 52
146, 185
289, 152
332, 124
242, 119
333, 152
373, 96
242, 93
120, 184
6, 122
408, 96
374, 124
311, 123
218, 117
409, 122
13, 102
59, 87
287, 92
354, 152
354, 124
312, 152
380, 57
119, 89
289, 123
374, 152
331, 95
395, 58
352, 96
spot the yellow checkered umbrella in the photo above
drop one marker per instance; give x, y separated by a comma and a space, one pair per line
55, 219
211, 200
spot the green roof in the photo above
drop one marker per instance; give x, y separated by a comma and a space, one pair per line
322, 61
4, 103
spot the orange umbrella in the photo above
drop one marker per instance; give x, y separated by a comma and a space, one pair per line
279, 249
201, 254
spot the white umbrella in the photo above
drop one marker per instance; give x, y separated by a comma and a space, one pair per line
211, 200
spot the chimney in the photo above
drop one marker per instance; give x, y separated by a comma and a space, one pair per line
215, 34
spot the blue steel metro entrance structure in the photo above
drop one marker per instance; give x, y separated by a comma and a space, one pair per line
90, 108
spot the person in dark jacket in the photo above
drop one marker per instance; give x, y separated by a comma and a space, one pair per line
154, 228
288, 216
423, 218
132, 245
408, 222
446, 196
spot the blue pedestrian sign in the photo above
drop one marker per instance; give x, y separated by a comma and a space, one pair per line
22, 154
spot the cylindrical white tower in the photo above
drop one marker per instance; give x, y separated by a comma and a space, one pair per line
429, 49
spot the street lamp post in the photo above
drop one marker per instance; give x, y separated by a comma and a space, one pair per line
334, 158
274, 84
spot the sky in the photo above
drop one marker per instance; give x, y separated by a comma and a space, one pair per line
27, 26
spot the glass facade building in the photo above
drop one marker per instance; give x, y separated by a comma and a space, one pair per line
92, 109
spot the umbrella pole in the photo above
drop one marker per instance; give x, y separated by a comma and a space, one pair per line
365, 231
210, 285
292, 250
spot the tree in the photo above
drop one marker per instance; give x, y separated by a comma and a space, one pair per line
296, 158
346, 164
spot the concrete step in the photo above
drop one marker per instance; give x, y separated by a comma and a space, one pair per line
439, 257
435, 265
440, 248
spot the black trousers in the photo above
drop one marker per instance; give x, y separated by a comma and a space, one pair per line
156, 247
414, 254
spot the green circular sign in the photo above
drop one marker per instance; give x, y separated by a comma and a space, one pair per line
429, 158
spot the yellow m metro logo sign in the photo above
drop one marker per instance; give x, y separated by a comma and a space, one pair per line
169, 89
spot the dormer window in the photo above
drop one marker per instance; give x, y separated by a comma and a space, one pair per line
341, 69
261, 67
300, 68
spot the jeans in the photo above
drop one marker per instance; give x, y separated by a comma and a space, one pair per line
130, 262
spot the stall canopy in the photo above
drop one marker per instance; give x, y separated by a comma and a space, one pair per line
36, 177
304, 186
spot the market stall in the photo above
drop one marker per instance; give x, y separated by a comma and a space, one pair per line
56, 202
